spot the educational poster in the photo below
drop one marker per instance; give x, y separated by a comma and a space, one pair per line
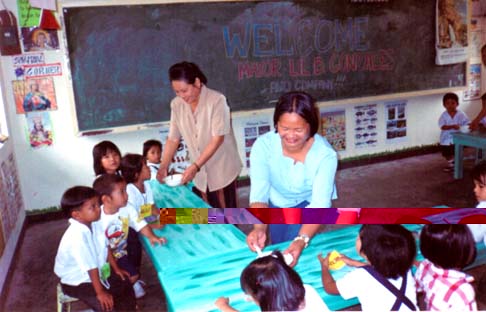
365, 121
13, 199
451, 32
473, 90
478, 37
39, 129
252, 129
396, 121
181, 158
37, 39
28, 16
333, 127
34, 95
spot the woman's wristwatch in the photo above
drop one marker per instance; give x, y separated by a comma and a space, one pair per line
303, 237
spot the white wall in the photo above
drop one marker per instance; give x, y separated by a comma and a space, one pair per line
47, 172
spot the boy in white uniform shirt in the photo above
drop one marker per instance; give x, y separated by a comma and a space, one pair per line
83, 261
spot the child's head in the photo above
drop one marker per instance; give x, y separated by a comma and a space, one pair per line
134, 168
106, 157
389, 248
450, 101
479, 179
449, 246
152, 151
81, 203
273, 284
112, 190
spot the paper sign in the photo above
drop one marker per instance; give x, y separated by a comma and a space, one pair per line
45, 70
28, 16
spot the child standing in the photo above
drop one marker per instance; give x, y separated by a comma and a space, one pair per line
386, 284
116, 218
152, 151
83, 261
449, 122
447, 249
106, 158
275, 286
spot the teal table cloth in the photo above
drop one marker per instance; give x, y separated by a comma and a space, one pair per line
176, 197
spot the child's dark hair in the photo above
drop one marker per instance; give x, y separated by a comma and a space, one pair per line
74, 197
131, 165
100, 150
479, 172
105, 183
449, 246
147, 145
450, 96
275, 285
390, 248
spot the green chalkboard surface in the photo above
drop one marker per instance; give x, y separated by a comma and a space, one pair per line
250, 51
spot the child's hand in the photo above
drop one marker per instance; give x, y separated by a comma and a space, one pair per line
157, 240
324, 260
122, 273
106, 300
221, 303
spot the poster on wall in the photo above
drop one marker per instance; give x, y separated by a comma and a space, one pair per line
39, 129
253, 128
34, 95
365, 121
473, 90
28, 16
38, 39
477, 37
396, 121
451, 32
11, 187
181, 158
333, 127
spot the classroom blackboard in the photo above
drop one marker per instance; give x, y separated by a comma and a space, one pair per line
251, 51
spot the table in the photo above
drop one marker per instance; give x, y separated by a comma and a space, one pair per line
176, 197
475, 139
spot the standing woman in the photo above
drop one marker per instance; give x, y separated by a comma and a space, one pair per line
202, 117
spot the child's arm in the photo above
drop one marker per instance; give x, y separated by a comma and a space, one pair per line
147, 232
222, 303
351, 262
450, 127
112, 261
105, 298
327, 280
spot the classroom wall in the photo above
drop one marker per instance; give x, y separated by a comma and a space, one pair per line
45, 173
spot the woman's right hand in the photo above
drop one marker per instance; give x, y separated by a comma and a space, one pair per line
256, 237
161, 174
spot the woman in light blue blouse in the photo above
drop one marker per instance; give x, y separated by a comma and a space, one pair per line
293, 167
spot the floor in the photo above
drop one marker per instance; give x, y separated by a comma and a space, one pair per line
411, 182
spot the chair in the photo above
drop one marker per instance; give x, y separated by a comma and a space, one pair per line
63, 300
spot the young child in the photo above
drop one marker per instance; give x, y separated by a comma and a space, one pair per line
152, 151
81, 260
447, 249
106, 158
275, 286
479, 178
135, 172
449, 122
116, 218
386, 283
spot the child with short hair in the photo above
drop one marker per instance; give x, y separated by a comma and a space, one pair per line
450, 121
386, 283
83, 261
152, 151
106, 158
135, 171
117, 216
447, 249
275, 286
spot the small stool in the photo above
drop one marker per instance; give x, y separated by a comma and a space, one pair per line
63, 300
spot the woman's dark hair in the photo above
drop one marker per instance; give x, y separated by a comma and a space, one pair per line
74, 197
450, 96
131, 165
479, 172
105, 183
300, 103
390, 248
275, 285
147, 145
187, 72
449, 246
100, 150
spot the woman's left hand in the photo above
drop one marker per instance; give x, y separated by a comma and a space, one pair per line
189, 174
295, 249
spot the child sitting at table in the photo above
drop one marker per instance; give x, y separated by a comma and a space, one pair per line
447, 249
275, 286
116, 218
383, 283
83, 261
152, 151
449, 122
106, 158
135, 171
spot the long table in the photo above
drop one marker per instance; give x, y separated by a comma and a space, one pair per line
203, 262
475, 139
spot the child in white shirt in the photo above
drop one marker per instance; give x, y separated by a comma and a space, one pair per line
152, 151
